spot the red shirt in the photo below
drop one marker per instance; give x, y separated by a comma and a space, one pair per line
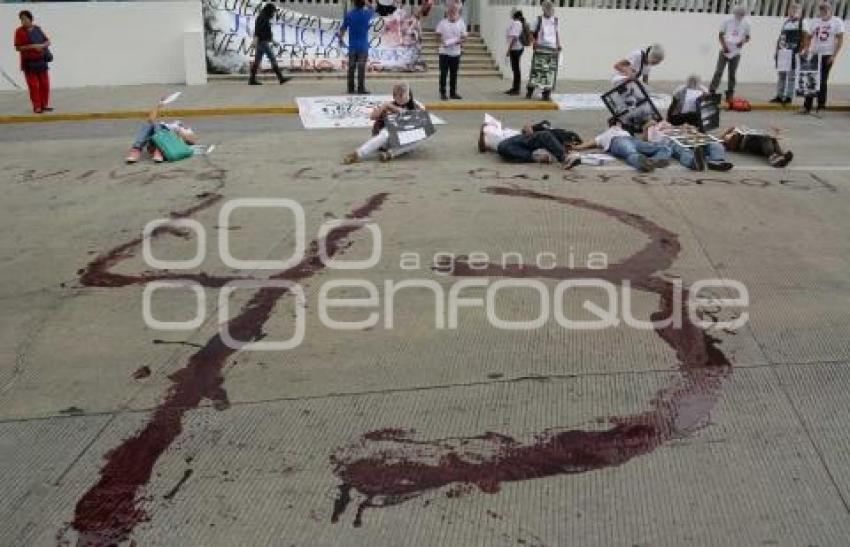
22, 38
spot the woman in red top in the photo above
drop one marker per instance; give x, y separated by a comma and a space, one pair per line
33, 44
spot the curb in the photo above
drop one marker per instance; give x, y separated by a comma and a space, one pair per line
292, 109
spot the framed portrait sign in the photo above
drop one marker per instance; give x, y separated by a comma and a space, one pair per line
629, 103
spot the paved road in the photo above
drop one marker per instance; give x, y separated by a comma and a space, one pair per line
111, 431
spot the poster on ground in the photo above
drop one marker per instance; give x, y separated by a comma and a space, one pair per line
303, 42
342, 111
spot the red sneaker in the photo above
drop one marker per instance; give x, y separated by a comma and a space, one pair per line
157, 156
134, 155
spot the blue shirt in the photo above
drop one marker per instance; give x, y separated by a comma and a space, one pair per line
357, 23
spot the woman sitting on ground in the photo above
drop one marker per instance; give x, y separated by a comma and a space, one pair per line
377, 145
146, 131
747, 141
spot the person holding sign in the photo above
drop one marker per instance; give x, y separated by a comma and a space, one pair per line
734, 33
547, 49
452, 31
263, 40
637, 65
787, 47
684, 108
356, 23
378, 145
824, 37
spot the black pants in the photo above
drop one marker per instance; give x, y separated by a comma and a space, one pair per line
824, 79
722, 61
520, 149
449, 65
264, 49
516, 55
761, 145
357, 61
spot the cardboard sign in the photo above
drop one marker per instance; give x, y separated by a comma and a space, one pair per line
807, 78
544, 69
629, 103
408, 127
708, 110
688, 137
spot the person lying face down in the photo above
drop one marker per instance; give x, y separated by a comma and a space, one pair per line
377, 145
535, 143
643, 156
711, 155
756, 143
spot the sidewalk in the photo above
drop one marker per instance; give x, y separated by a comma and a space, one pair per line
230, 98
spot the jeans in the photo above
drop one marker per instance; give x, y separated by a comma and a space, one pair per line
722, 61
715, 152
520, 149
785, 85
371, 147
516, 55
824, 78
449, 65
631, 149
144, 134
357, 61
264, 49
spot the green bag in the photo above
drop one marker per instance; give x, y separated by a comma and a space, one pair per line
172, 147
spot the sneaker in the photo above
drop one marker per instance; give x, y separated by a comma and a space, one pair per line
571, 161
643, 164
134, 155
658, 164
455, 96
385, 156
348, 159
699, 159
47, 109
254, 81
719, 165
541, 156
157, 156
444, 97
776, 100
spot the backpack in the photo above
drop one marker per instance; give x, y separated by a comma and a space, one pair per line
740, 105
525, 37
173, 148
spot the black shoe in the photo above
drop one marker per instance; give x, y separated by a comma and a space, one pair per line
47, 109
512, 92
776, 100
444, 97
786, 100
254, 81
699, 159
658, 164
719, 165
364, 92
283, 79
352, 92
455, 96
529, 92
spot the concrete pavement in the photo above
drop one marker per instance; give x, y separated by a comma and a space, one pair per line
113, 432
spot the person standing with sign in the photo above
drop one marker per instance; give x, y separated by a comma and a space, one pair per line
824, 37
734, 33
787, 47
452, 31
357, 23
33, 45
547, 48
263, 41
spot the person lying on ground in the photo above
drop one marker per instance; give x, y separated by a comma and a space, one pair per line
683, 108
492, 133
536, 147
147, 130
711, 155
643, 156
638, 64
377, 145
757, 143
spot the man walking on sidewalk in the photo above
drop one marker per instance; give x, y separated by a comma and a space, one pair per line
263, 41
733, 35
357, 22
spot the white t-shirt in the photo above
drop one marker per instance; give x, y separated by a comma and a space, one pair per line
603, 141
515, 31
823, 35
451, 33
635, 59
547, 35
689, 102
734, 32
